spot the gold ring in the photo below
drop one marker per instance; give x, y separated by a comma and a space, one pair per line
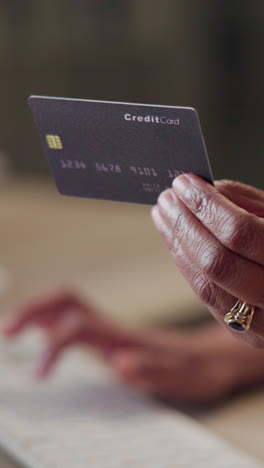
239, 318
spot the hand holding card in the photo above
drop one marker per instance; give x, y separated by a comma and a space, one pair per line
118, 151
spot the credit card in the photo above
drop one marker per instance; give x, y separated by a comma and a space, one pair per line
116, 150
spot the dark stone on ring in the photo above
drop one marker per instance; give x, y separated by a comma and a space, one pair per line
236, 326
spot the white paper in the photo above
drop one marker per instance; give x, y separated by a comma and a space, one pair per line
82, 418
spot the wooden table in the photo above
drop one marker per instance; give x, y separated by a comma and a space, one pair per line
112, 254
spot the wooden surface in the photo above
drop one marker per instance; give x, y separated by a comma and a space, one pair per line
112, 254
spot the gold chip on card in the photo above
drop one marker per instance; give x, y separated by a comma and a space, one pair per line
54, 142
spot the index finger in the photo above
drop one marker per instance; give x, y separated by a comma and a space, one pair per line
31, 314
238, 230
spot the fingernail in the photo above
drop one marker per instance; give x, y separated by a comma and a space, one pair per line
166, 199
181, 183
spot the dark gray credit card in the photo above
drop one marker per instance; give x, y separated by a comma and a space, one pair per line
118, 151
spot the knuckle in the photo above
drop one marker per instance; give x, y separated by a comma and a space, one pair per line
206, 290
218, 264
197, 200
205, 205
66, 299
178, 230
168, 237
178, 225
65, 294
176, 251
240, 233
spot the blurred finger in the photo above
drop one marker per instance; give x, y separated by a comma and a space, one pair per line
49, 358
142, 365
43, 312
166, 375
105, 339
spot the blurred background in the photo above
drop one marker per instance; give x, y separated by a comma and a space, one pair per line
206, 54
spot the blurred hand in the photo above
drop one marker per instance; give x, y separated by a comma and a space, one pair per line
65, 321
165, 363
216, 238
157, 361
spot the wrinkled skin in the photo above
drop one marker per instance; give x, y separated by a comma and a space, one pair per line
216, 238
